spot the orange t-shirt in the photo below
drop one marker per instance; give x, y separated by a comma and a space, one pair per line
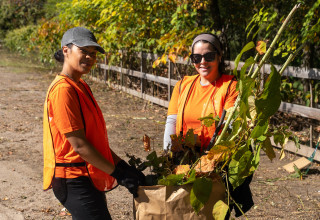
198, 99
65, 116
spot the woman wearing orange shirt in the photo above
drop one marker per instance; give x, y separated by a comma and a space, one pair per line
78, 163
209, 91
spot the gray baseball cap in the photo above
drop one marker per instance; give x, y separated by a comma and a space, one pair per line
80, 37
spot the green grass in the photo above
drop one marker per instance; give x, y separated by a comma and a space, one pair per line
16, 63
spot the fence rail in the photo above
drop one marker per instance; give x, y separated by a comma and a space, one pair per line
308, 112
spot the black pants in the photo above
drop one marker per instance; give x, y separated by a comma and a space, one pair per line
81, 198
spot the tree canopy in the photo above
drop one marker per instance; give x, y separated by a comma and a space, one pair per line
167, 27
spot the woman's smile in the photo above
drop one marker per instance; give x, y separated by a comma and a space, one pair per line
208, 70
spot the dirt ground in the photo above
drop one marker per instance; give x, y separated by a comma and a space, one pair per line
23, 87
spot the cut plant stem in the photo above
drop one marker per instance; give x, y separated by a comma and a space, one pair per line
275, 40
252, 66
290, 58
257, 70
228, 120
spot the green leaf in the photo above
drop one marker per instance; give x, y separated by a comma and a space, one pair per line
268, 148
255, 161
200, 193
246, 87
209, 120
220, 210
279, 138
153, 159
191, 177
248, 46
247, 63
171, 180
190, 139
236, 125
269, 101
241, 165
262, 138
260, 129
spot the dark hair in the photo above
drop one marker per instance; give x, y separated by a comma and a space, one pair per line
59, 54
217, 42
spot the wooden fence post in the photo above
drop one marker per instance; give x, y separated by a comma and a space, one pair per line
121, 74
311, 105
142, 70
170, 73
105, 70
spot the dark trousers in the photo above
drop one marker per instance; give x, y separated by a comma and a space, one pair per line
81, 198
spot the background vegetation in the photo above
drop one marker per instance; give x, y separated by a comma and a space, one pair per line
167, 27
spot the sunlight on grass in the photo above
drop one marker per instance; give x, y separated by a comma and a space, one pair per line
20, 64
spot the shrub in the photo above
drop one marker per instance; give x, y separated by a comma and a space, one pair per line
20, 39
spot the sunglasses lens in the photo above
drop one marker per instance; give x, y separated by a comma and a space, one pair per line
209, 57
196, 58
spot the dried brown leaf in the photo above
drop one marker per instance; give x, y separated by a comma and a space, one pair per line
181, 169
205, 164
146, 143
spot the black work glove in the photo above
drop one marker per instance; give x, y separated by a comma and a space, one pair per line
126, 178
133, 169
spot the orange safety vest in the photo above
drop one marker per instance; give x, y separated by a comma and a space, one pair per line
215, 105
96, 134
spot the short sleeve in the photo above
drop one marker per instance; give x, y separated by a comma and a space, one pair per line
232, 96
173, 104
65, 109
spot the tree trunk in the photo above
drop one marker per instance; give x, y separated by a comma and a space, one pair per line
218, 25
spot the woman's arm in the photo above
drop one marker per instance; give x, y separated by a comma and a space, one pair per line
170, 129
84, 148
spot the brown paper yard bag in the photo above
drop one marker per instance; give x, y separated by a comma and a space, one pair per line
173, 202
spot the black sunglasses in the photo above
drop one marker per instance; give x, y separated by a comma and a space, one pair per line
208, 57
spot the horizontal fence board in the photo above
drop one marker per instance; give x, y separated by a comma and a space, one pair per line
284, 107
301, 110
304, 150
292, 71
298, 72
147, 97
141, 75
144, 96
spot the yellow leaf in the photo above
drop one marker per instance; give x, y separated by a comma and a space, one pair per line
219, 150
216, 156
172, 57
164, 59
156, 63
181, 169
282, 154
261, 47
220, 210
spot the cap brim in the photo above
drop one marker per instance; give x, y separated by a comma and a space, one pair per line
84, 43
